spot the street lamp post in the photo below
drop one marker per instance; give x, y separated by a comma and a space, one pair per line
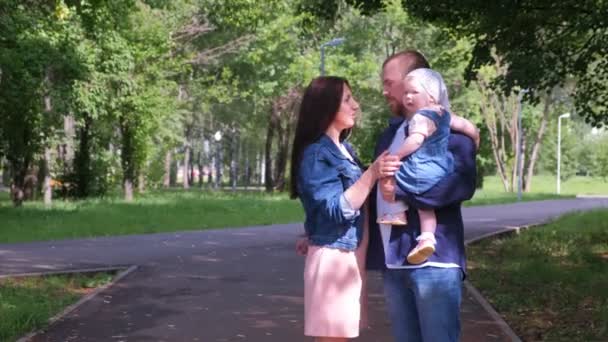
559, 148
218, 163
333, 42
520, 151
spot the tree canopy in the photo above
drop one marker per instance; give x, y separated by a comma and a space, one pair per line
544, 43
100, 94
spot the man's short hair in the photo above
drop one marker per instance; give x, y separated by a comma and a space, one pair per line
409, 60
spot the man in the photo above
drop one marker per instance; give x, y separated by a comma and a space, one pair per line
423, 300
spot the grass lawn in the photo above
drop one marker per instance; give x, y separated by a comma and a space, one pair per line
26, 304
550, 283
154, 212
545, 184
179, 210
543, 188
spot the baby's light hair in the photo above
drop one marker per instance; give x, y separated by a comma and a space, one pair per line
432, 82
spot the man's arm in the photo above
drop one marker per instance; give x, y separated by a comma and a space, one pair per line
462, 125
457, 186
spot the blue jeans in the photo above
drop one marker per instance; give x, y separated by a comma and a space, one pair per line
424, 303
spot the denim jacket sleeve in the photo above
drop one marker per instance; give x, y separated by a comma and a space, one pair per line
347, 209
322, 185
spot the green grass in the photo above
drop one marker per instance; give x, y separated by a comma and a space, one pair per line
551, 282
4, 198
543, 188
484, 197
179, 210
165, 211
26, 304
545, 184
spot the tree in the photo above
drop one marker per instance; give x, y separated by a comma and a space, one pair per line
39, 59
500, 113
543, 44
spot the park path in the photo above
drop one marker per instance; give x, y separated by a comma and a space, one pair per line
241, 284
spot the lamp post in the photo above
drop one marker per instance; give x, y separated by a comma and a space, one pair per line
520, 151
333, 42
218, 163
559, 148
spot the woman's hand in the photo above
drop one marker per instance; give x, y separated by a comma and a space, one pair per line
385, 165
302, 246
387, 188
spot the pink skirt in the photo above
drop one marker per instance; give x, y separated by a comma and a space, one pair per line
334, 296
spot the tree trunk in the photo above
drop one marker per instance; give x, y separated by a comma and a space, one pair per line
239, 162
278, 159
537, 145
82, 158
514, 164
283, 154
127, 159
46, 172
211, 168
201, 169
496, 140
46, 159
204, 163
247, 168
272, 126
17, 194
17, 191
218, 164
18, 170
167, 175
65, 151
70, 133
262, 169
186, 167
6, 173
128, 189
520, 167
191, 169
233, 159
259, 179
141, 182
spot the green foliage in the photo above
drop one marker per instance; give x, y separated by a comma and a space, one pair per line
141, 78
599, 156
582, 152
564, 39
39, 60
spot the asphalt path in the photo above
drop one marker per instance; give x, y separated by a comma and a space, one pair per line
240, 284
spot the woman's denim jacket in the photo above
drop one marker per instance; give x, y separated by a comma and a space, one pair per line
324, 174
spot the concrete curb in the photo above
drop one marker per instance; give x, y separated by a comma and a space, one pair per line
82, 300
504, 326
66, 271
505, 231
592, 196
506, 329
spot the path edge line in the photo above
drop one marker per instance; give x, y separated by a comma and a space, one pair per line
82, 300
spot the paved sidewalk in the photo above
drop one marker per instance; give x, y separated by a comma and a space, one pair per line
229, 285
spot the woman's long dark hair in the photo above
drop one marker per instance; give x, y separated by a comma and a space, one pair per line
319, 107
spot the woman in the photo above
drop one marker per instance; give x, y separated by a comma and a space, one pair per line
329, 181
